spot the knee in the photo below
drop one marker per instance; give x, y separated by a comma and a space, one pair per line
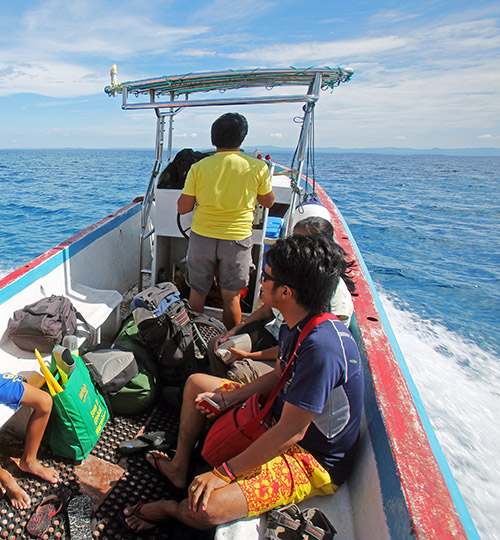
195, 384
44, 403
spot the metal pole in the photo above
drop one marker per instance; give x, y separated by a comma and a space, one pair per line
302, 144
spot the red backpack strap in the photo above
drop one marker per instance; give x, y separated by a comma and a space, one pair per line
311, 323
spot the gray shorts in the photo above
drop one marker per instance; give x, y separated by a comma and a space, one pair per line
233, 259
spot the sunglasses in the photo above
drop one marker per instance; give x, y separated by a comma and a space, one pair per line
264, 276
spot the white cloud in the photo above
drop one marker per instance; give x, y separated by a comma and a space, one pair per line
392, 16
315, 51
276, 135
55, 79
224, 10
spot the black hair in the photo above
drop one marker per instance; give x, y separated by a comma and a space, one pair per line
309, 264
229, 130
319, 225
315, 225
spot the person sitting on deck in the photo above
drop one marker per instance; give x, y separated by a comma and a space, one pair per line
14, 392
223, 189
246, 366
310, 448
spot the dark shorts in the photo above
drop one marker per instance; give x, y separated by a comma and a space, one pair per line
233, 259
11, 390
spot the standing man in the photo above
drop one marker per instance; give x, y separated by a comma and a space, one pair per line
311, 445
223, 190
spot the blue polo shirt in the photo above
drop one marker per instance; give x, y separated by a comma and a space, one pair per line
326, 378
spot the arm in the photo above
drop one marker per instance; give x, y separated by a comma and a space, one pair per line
289, 430
185, 203
266, 354
266, 200
263, 385
264, 313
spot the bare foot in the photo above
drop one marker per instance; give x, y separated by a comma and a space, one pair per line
35, 467
167, 468
18, 497
146, 516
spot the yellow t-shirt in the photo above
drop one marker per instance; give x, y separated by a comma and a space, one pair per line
226, 186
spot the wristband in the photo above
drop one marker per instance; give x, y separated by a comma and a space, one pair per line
228, 471
221, 476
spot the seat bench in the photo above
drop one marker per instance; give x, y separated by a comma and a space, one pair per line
336, 507
100, 308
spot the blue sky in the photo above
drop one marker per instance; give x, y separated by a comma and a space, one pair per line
427, 73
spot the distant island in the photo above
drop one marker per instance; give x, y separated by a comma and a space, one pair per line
395, 151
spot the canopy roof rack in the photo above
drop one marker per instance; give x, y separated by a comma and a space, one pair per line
175, 87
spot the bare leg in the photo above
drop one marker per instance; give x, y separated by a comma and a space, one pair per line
41, 403
197, 301
231, 315
191, 427
18, 497
225, 504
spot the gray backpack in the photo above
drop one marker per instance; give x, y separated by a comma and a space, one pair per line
111, 370
43, 325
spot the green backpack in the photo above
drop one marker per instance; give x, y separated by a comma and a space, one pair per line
142, 390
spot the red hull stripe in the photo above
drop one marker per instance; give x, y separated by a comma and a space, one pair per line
434, 503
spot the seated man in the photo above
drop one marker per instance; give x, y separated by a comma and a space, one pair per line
311, 445
247, 366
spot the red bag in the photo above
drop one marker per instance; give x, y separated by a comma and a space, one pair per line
236, 429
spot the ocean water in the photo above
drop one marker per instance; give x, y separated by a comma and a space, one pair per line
427, 227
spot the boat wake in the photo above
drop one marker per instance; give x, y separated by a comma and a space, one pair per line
459, 384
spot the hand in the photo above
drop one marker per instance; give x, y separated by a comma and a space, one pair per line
214, 396
238, 354
224, 337
201, 488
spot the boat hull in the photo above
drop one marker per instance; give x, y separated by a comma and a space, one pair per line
401, 487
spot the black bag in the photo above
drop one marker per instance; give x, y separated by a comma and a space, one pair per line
43, 324
177, 335
174, 174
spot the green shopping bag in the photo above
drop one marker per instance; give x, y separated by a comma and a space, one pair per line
79, 414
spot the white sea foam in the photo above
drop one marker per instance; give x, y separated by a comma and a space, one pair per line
459, 385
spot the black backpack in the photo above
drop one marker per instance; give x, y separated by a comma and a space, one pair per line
174, 174
177, 335
43, 325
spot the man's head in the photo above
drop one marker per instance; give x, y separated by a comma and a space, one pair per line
308, 265
229, 130
314, 225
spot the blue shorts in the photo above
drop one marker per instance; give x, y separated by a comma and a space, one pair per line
11, 390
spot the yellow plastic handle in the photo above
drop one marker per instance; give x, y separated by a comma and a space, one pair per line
53, 386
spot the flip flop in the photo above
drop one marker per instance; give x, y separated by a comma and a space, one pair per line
156, 466
158, 440
79, 514
45, 511
138, 514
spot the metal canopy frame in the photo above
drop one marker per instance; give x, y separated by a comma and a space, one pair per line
168, 95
